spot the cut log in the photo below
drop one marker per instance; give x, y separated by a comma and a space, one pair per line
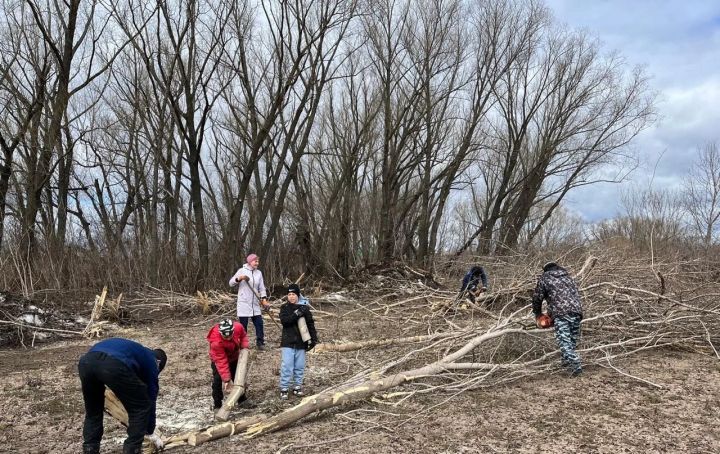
302, 326
238, 386
115, 408
223, 430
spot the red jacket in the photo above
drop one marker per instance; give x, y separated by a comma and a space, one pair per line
224, 352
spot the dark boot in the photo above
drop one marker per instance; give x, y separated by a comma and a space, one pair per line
244, 402
132, 449
91, 448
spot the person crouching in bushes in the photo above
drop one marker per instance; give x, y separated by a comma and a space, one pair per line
292, 347
474, 283
226, 340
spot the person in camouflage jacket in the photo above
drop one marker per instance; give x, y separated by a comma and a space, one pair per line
559, 289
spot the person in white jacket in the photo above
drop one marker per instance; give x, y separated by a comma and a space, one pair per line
252, 297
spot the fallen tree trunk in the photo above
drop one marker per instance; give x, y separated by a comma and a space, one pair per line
358, 391
330, 399
333, 398
219, 431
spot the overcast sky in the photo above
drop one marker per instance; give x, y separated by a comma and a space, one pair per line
678, 42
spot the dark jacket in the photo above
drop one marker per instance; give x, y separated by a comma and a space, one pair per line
560, 291
138, 359
473, 278
291, 333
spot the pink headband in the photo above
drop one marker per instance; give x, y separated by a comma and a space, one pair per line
251, 257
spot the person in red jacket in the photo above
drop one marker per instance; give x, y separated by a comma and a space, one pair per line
226, 339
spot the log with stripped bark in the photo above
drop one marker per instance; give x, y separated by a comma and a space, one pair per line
116, 409
238, 386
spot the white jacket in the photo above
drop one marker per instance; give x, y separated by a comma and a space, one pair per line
248, 304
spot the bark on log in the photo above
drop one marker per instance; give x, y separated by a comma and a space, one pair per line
115, 408
238, 386
222, 430
302, 326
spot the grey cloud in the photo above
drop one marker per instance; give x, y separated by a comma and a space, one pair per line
679, 45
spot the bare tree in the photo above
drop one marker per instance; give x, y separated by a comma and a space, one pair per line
65, 32
652, 218
563, 229
702, 193
183, 58
562, 116
339, 131
21, 91
498, 32
273, 112
329, 186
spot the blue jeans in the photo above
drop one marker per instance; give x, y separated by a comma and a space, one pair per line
567, 334
258, 323
291, 366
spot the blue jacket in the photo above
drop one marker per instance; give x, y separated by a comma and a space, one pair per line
473, 278
140, 360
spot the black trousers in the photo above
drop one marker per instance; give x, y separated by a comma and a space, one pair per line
470, 292
217, 392
259, 327
98, 370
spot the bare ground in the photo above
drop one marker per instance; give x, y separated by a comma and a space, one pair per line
602, 411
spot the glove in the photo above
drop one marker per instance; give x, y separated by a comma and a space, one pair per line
156, 440
309, 345
227, 386
300, 311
